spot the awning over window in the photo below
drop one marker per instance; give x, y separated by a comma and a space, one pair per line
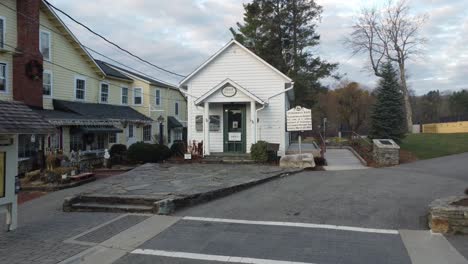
96, 129
172, 122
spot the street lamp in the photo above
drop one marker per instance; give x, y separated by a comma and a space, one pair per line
161, 129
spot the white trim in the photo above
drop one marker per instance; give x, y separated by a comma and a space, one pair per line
150, 133
2, 46
79, 77
72, 36
49, 34
141, 95
51, 84
156, 97
121, 94
221, 84
176, 108
133, 131
100, 92
292, 224
206, 257
233, 41
6, 78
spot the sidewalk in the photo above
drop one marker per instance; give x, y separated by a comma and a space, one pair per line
342, 159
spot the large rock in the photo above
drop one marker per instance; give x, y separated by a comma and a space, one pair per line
302, 161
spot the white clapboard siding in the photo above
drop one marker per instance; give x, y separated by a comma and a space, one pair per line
244, 69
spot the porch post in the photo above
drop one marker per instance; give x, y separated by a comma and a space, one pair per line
206, 129
253, 118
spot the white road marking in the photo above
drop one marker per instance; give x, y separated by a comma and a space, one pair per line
206, 257
305, 225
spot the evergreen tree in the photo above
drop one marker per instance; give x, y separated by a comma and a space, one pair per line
388, 116
283, 33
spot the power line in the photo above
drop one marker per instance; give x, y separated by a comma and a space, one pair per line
62, 34
94, 78
123, 65
110, 42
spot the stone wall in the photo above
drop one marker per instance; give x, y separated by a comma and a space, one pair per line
445, 217
386, 155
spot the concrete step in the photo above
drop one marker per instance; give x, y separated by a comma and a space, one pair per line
115, 208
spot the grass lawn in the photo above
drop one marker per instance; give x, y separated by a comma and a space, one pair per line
427, 146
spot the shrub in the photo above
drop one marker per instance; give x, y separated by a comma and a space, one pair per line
117, 149
259, 152
163, 152
178, 148
142, 152
118, 153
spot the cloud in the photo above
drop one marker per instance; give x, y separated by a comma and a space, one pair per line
180, 34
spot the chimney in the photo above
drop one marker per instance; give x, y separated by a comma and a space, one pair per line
28, 61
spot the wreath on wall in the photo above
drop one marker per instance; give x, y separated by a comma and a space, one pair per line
34, 69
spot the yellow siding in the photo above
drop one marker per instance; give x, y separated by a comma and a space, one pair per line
6, 56
69, 56
446, 128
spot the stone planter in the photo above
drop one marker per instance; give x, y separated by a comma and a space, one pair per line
449, 215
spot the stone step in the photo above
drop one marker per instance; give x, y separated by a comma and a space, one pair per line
115, 208
112, 199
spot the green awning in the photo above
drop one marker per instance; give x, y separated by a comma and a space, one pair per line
172, 122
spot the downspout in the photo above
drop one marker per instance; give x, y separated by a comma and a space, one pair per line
268, 101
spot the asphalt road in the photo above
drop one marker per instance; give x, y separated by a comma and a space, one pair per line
379, 200
395, 198
369, 207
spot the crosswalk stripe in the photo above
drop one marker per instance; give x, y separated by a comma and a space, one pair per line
293, 224
206, 257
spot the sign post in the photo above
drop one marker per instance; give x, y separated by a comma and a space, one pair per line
299, 119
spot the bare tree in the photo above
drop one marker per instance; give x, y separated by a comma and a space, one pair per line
390, 33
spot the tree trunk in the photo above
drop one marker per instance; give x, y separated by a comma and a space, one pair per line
406, 98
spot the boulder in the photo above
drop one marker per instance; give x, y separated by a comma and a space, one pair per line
305, 160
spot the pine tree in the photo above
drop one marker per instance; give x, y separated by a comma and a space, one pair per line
388, 116
283, 33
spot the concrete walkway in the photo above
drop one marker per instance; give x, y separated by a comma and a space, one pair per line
342, 159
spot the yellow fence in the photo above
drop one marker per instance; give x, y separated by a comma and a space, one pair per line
446, 128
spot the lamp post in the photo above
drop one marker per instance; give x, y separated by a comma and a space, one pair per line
161, 129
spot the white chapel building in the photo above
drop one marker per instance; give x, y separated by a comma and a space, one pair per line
236, 99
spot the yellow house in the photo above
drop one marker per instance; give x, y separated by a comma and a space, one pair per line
91, 103
160, 101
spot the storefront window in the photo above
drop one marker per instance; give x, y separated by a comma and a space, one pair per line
101, 141
76, 142
27, 148
2, 173
215, 122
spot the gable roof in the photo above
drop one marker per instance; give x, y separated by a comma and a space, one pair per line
221, 85
151, 81
229, 44
17, 118
100, 111
71, 36
111, 72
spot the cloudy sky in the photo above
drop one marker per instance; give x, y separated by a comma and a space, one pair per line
180, 34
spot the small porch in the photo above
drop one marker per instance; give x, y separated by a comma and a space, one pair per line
229, 119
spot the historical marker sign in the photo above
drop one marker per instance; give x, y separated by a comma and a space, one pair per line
299, 119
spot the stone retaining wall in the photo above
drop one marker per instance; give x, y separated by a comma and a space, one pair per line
444, 217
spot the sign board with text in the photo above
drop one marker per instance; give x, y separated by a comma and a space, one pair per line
298, 119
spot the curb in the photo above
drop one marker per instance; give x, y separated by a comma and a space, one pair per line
170, 205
